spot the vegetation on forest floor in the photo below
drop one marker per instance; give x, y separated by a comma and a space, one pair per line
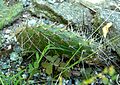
58, 53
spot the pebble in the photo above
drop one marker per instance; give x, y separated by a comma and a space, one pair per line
14, 56
17, 49
7, 36
32, 23
7, 31
5, 66
9, 47
7, 74
31, 81
69, 82
36, 75
18, 69
24, 76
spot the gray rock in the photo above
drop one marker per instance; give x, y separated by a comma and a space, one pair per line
5, 66
24, 76
106, 11
14, 56
114, 33
95, 3
63, 12
32, 23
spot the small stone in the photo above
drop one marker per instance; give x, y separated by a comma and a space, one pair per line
25, 76
17, 49
7, 31
2, 73
64, 82
5, 66
61, 26
69, 82
77, 82
20, 60
18, 69
52, 1
6, 36
31, 81
23, 67
14, 56
36, 75
32, 23
9, 47
7, 74
15, 39
9, 37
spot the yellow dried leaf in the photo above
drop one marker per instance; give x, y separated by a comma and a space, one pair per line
105, 29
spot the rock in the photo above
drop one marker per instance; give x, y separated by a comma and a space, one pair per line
32, 23
5, 66
114, 33
24, 76
25, 2
14, 56
105, 9
95, 3
63, 12
31, 81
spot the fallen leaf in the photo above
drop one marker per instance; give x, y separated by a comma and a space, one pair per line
105, 29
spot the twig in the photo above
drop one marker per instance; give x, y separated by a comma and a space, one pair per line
91, 9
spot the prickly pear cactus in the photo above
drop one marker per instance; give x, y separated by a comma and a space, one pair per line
67, 42
9, 14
